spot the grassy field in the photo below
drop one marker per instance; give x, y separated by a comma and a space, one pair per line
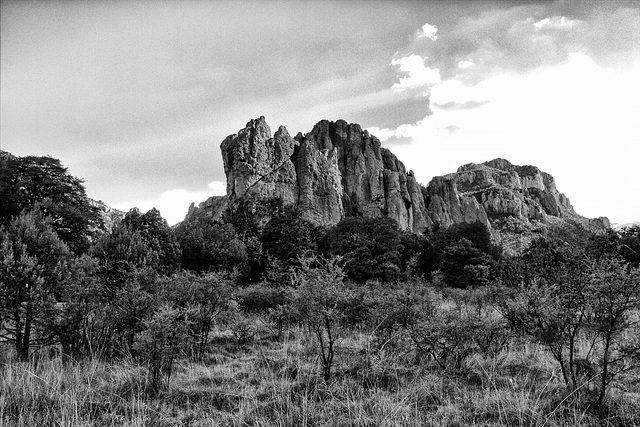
266, 383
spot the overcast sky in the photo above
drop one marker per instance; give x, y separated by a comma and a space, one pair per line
135, 97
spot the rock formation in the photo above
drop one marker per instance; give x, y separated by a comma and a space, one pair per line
336, 170
339, 170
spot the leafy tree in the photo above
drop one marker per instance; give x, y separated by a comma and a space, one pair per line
287, 236
370, 248
32, 259
82, 322
120, 254
209, 246
475, 232
547, 298
464, 253
614, 298
560, 297
26, 181
157, 236
464, 265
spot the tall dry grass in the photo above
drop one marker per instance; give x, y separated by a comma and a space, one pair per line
266, 383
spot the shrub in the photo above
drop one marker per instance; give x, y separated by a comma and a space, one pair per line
321, 301
162, 339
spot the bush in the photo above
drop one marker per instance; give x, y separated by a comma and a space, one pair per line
563, 298
160, 342
321, 301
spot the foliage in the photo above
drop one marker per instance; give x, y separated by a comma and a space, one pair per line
370, 248
629, 248
210, 246
321, 301
204, 299
464, 254
287, 236
32, 261
464, 265
82, 323
560, 297
161, 341
449, 334
27, 181
120, 254
614, 299
157, 236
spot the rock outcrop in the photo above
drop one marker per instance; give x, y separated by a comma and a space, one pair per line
339, 169
336, 170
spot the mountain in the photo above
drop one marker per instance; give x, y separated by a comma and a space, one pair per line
339, 169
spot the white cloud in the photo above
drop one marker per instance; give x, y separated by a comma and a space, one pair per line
418, 76
173, 204
557, 22
429, 31
572, 120
465, 64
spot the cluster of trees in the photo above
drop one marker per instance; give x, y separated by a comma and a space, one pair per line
147, 290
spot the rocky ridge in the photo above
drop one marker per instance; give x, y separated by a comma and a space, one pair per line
338, 169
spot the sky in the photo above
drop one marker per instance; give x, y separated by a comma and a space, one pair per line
135, 97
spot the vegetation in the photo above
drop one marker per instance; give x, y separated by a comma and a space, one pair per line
277, 322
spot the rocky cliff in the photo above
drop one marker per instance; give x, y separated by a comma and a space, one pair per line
336, 170
339, 169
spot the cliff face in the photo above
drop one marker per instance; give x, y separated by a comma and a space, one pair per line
495, 190
336, 170
339, 170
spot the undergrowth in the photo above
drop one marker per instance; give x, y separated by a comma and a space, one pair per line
267, 383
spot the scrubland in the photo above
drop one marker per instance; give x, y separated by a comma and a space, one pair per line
261, 381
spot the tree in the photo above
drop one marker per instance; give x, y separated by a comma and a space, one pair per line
463, 252
82, 322
560, 297
614, 298
32, 259
464, 265
370, 248
322, 300
209, 246
546, 299
25, 181
157, 236
120, 254
287, 236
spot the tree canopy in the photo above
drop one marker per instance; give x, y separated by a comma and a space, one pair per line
25, 181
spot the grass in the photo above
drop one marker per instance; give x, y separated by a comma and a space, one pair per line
268, 383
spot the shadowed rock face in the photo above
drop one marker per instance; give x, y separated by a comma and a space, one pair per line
339, 170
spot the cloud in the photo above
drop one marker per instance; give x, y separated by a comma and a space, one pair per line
550, 84
418, 75
557, 22
468, 105
174, 204
429, 31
